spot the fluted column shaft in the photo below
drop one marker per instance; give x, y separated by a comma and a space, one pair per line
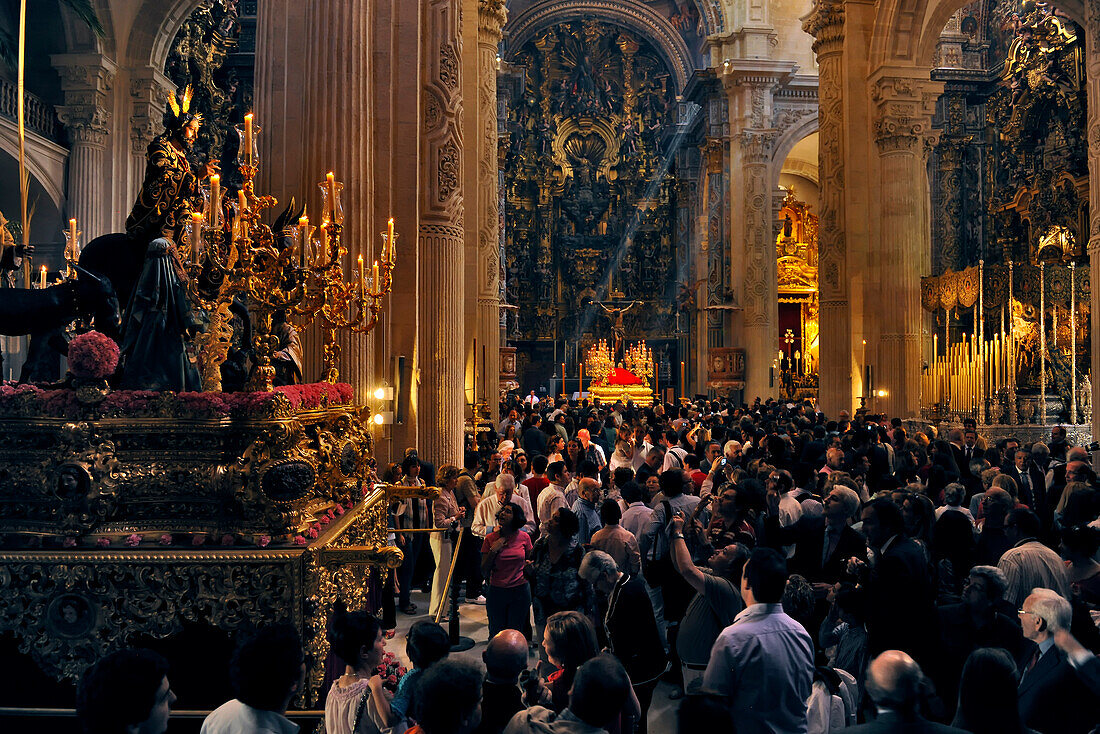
315, 105
86, 81
826, 25
900, 127
491, 19
149, 90
1092, 77
442, 333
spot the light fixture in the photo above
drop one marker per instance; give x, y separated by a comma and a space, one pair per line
882, 393
383, 392
383, 417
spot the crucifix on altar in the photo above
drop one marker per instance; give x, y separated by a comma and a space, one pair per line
614, 310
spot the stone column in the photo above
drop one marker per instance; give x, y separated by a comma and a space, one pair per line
826, 24
149, 91
749, 86
1092, 80
86, 81
315, 105
442, 402
902, 122
491, 17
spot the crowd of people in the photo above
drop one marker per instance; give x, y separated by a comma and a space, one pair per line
784, 571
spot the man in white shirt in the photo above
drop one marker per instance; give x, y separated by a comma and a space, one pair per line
638, 514
553, 496
267, 669
485, 514
674, 454
790, 509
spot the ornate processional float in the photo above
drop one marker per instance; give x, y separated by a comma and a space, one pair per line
137, 516
627, 380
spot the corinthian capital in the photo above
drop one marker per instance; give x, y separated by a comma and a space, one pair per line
86, 124
491, 17
757, 146
825, 22
903, 117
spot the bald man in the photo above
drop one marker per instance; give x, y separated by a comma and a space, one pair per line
586, 509
505, 657
894, 682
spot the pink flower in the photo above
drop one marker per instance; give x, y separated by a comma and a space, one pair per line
93, 356
228, 539
165, 539
68, 543
103, 543
133, 540
263, 541
392, 680
313, 533
299, 540
338, 510
325, 520
198, 539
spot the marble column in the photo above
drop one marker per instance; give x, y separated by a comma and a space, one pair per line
315, 104
86, 81
442, 336
826, 24
902, 122
1092, 81
491, 18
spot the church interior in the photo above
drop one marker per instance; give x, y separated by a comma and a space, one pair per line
885, 207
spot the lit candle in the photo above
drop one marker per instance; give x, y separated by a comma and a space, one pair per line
242, 202
330, 181
374, 282
580, 379
42, 277
362, 276
248, 138
196, 236
72, 239
389, 242
215, 200
563, 376
683, 379
303, 240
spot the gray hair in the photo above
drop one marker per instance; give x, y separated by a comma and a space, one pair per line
595, 565
503, 480
953, 494
996, 583
1051, 607
1040, 449
848, 498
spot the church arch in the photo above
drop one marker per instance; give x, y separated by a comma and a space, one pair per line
155, 29
630, 15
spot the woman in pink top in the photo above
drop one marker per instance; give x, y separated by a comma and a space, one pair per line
503, 556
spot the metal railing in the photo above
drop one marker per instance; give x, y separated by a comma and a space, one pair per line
39, 116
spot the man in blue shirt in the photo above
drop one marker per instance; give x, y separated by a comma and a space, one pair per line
763, 662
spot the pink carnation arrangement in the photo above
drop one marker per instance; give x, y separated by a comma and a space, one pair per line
391, 671
93, 356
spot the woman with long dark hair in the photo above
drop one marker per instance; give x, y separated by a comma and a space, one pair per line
987, 694
356, 703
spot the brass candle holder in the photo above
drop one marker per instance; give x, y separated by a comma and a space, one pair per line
286, 272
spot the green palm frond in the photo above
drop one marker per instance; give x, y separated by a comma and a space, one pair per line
85, 10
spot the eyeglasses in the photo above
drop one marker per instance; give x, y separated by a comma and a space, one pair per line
1024, 611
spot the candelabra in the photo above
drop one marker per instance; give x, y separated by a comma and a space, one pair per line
285, 272
600, 361
639, 360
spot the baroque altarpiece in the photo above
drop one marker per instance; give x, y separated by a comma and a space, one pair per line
1010, 192
591, 195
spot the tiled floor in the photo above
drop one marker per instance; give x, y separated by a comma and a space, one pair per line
474, 624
